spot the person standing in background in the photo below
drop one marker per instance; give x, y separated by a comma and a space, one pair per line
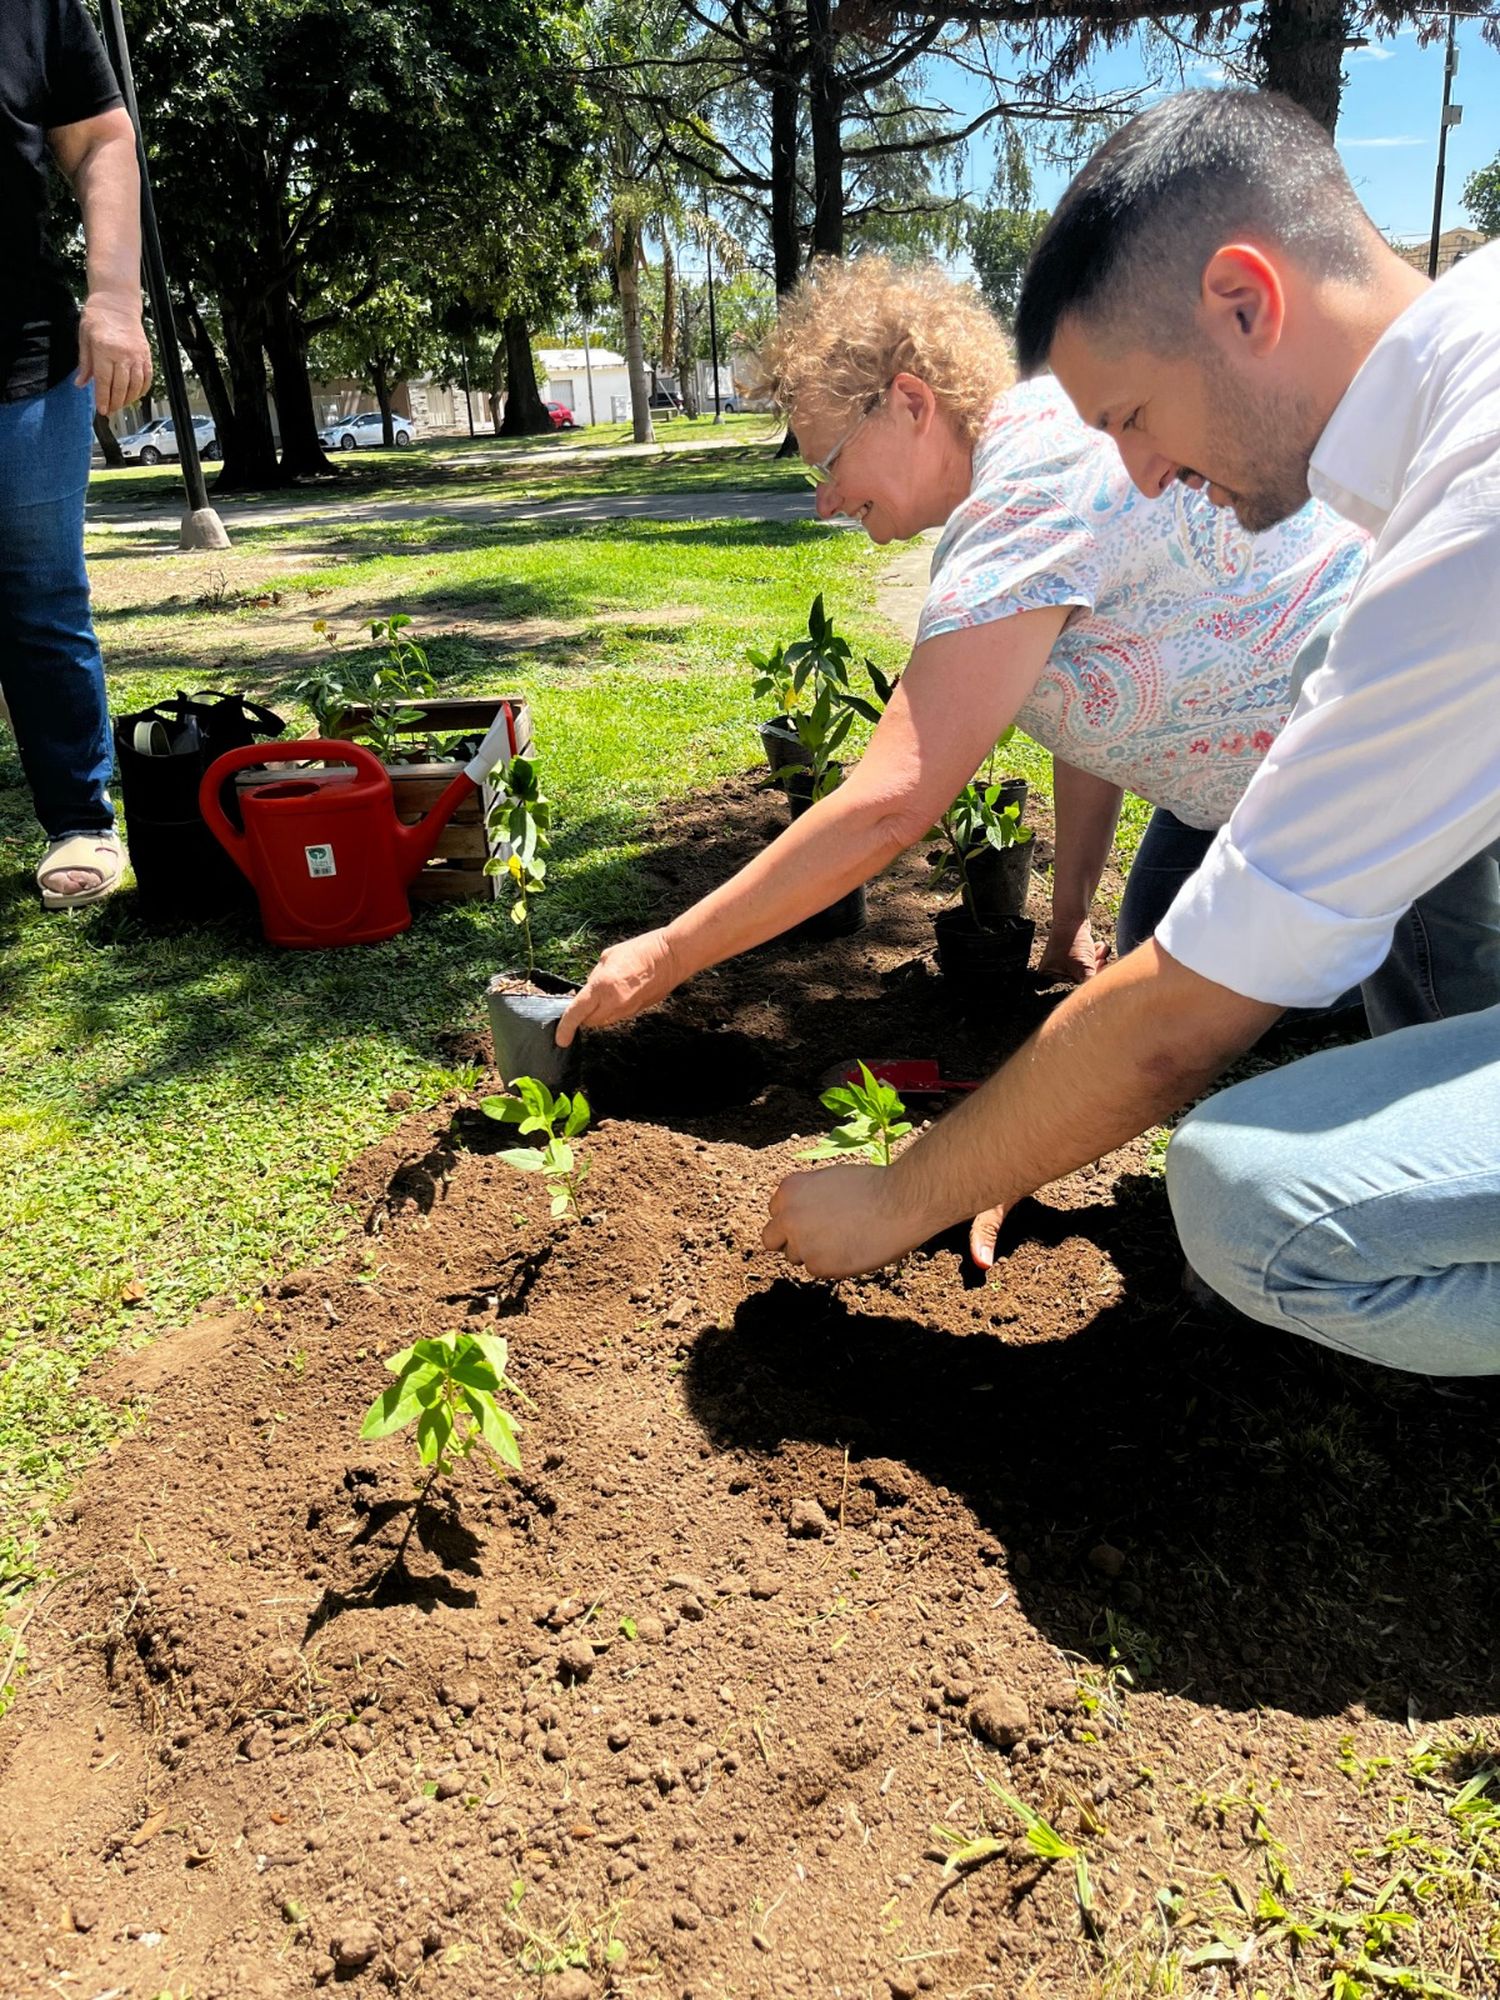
59, 96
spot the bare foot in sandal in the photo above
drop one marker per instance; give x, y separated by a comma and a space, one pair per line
80, 868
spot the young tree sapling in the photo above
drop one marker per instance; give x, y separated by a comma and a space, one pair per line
449, 1387
534, 1109
522, 816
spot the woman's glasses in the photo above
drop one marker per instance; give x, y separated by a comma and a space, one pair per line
821, 469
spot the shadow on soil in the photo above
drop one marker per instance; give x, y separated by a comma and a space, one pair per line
1297, 1529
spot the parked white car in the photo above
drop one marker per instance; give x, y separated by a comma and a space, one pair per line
158, 440
349, 432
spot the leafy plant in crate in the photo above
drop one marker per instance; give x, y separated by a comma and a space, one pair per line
385, 690
875, 1119
534, 1108
449, 1387
525, 1007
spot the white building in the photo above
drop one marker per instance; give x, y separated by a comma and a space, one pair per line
568, 374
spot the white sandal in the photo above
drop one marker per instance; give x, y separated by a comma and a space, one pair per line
98, 854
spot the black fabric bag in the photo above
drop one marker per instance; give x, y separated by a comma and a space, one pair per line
181, 871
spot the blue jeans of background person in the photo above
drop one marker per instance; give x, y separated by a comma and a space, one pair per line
50, 667
1444, 958
1354, 1197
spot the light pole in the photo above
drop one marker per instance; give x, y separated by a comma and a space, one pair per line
588, 369
201, 526
1452, 115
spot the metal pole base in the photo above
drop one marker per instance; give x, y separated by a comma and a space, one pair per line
202, 529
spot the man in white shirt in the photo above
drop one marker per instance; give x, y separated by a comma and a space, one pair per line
1211, 294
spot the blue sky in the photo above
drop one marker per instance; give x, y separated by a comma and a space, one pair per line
1388, 123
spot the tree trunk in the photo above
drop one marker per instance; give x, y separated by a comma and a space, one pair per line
525, 412
196, 339
381, 382
825, 112
249, 443
668, 305
786, 249
687, 372
108, 443
497, 387
627, 267
1300, 48
302, 454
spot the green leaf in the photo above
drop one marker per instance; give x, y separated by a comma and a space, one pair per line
396, 1362
504, 1110
434, 1429
578, 1116
472, 1372
525, 1159
495, 1427
392, 1410
495, 1350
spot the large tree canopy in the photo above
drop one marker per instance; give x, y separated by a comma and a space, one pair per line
300, 146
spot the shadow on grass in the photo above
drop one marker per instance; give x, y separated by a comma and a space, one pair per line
1299, 1529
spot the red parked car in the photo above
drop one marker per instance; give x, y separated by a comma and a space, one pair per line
562, 417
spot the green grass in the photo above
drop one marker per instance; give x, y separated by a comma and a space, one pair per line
685, 458
174, 1112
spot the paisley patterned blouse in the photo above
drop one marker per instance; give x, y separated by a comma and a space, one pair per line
1173, 674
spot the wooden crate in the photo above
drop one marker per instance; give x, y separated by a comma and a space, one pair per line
456, 871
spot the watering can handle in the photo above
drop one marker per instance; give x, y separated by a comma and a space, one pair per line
311, 749
498, 747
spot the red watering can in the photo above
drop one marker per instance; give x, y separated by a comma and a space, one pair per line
324, 850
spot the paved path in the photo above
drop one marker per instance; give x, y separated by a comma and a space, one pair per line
134, 518
902, 589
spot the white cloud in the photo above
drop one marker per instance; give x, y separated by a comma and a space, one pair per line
1346, 145
1374, 53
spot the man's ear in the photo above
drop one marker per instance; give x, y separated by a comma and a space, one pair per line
1242, 303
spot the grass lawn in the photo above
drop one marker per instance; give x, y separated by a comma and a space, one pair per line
174, 1112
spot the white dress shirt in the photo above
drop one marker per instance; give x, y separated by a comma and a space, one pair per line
1387, 775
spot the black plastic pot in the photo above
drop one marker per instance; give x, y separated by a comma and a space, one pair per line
970, 955
848, 914
1013, 792
780, 742
523, 1028
797, 782
998, 881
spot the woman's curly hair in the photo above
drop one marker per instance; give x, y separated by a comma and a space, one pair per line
852, 325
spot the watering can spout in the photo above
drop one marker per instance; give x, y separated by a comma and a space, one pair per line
417, 844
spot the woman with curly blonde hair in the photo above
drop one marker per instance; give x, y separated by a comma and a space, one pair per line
1149, 644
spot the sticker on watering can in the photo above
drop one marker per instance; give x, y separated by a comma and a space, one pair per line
320, 860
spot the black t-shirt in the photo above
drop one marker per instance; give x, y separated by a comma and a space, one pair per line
53, 71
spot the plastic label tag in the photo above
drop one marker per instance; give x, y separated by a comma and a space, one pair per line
320, 860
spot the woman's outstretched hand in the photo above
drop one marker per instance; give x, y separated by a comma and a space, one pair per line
1072, 954
629, 978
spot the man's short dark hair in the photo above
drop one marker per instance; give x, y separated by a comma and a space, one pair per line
1126, 247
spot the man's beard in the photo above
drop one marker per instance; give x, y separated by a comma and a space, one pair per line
1271, 437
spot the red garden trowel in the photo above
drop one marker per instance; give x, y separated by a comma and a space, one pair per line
914, 1076
323, 849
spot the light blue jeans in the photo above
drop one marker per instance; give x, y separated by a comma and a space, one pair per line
1354, 1196
1445, 954
50, 667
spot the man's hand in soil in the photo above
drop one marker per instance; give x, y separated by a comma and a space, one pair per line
840, 1221
1121, 1053
629, 978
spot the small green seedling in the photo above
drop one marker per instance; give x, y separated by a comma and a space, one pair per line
522, 816
534, 1109
876, 1120
449, 1387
